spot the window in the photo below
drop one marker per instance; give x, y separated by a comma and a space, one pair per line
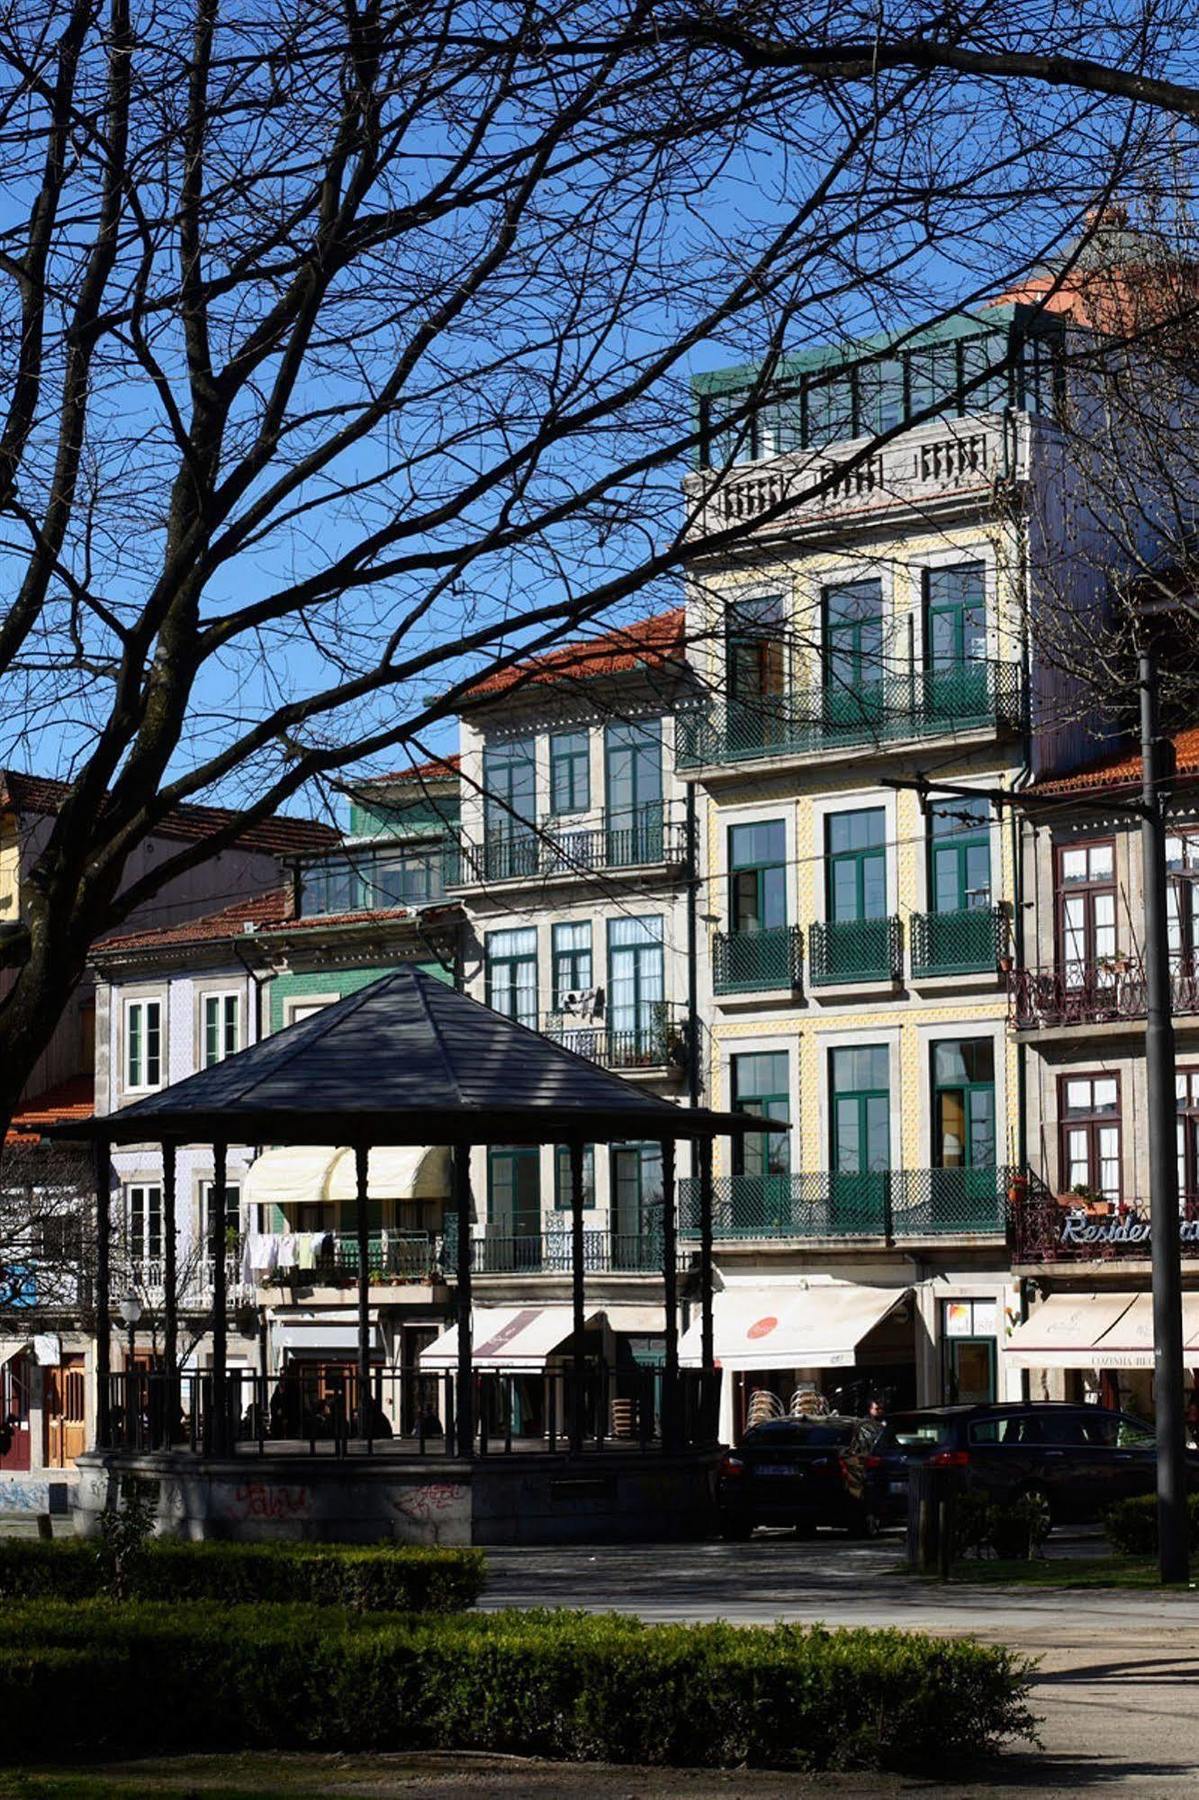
1182, 861
964, 1104
860, 1079
1186, 1087
298, 1010
512, 974
510, 788
636, 977
633, 775
222, 1027
830, 408
514, 1188
959, 855
758, 876
636, 1208
760, 1085
853, 636
570, 772
1090, 1136
572, 960
755, 649
143, 1204
856, 864
406, 877
232, 1211
562, 1177
880, 398
143, 1044
330, 887
1086, 900
955, 616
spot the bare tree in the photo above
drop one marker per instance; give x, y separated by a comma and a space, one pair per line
47, 1241
345, 348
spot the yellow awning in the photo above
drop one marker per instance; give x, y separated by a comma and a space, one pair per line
315, 1173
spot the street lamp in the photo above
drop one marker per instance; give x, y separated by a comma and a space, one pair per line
130, 1309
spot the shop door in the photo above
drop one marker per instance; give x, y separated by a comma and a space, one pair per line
969, 1371
65, 1423
15, 1378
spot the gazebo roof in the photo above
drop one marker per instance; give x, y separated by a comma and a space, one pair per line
407, 1060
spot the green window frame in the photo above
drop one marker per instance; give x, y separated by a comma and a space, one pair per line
143, 1044
760, 1083
232, 1211
562, 1177
143, 1212
511, 965
860, 1109
570, 772
635, 1177
755, 648
758, 876
572, 965
955, 616
222, 1027
964, 1119
636, 976
852, 636
514, 1188
510, 788
856, 864
959, 855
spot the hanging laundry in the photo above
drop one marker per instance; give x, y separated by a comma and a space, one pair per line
288, 1255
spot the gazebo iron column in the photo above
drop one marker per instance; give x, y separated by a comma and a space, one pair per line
670, 1282
102, 1163
170, 1269
220, 1298
366, 1422
706, 1343
577, 1259
465, 1397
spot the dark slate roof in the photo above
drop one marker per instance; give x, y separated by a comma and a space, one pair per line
407, 1060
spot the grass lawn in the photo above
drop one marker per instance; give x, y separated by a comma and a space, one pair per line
1064, 1572
245, 1777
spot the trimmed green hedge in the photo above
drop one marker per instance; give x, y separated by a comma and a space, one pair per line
1130, 1526
378, 1578
554, 1684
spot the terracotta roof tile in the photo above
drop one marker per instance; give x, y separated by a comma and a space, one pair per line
257, 909
70, 1100
277, 834
1122, 768
439, 768
650, 643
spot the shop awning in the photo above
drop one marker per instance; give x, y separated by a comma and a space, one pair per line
1095, 1331
10, 1347
318, 1332
516, 1338
313, 1173
637, 1321
793, 1325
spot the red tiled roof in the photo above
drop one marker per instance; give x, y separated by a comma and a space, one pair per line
70, 1100
648, 644
257, 909
439, 768
1122, 768
276, 834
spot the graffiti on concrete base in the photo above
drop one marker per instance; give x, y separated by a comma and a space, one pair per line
23, 1495
433, 1508
260, 1500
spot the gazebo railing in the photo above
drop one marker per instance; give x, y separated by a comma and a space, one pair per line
411, 1411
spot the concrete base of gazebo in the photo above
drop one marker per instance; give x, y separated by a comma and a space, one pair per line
526, 1497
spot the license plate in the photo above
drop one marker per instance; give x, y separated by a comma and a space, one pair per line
776, 1469
898, 1487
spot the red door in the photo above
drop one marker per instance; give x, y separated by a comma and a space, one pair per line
15, 1377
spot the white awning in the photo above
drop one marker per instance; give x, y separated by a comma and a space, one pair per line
10, 1347
794, 1325
637, 1321
505, 1337
314, 1173
1095, 1331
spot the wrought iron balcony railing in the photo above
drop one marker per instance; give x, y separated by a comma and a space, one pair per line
660, 1038
146, 1276
554, 848
545, 1249
748, 962
1097, 993
1052, 1228
958, 943
391, 1256
855, 950
893, 1204
969, 696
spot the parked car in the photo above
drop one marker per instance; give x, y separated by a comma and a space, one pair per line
803, 1473
1076, 1459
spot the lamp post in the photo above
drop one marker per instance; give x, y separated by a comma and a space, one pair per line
130, 1309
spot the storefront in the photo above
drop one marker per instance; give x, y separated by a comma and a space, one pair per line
1097, 1345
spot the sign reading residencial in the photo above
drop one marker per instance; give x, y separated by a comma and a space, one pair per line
1079, 1228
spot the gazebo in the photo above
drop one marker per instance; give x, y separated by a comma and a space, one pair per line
409, 1060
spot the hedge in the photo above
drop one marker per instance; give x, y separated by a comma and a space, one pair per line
382, 1578
568, 1685
1130, 1526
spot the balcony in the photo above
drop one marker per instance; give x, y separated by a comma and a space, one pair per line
1073, 1228
855, 950
661, 1039
936, 463
546, 1250
554, 850
902, 708
753, 962
392, 1257
193, 1279
1110, 992
958, 943
896, 1205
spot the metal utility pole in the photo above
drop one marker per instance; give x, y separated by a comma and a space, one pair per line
1173, 1558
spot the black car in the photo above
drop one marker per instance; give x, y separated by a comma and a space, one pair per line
803, 1473
1077, 1459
